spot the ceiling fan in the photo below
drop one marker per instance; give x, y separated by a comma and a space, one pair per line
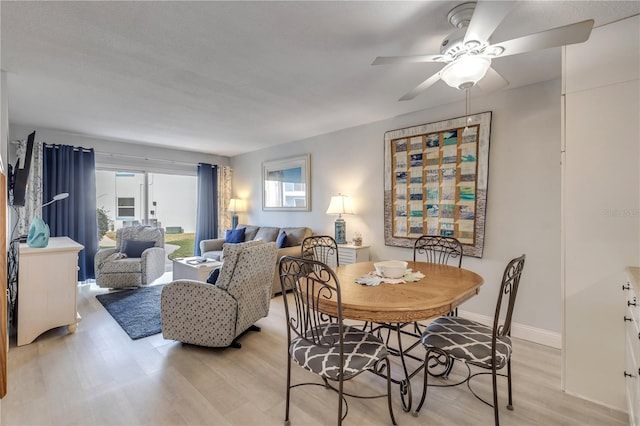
468, 51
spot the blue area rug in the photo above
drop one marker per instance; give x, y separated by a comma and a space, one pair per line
136, 310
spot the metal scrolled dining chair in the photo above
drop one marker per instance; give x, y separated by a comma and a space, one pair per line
322, 248
438, 249
487, 347
323, 344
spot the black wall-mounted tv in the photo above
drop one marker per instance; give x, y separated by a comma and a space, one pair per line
19, 176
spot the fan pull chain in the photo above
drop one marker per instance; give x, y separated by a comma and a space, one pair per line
468, 110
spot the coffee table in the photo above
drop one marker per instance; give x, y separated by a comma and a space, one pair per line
189, 268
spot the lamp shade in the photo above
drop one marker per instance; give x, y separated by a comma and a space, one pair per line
236, 205
466, 71
340, 204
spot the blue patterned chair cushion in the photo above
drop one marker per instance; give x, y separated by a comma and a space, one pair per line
466, 340
361, 351
134, 248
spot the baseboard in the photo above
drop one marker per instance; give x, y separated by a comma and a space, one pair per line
521, 331
600, 403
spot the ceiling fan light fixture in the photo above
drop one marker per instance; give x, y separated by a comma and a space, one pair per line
465, 72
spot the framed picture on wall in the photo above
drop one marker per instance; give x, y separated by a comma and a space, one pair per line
286, 184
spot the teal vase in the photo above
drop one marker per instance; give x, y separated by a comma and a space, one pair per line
38, 233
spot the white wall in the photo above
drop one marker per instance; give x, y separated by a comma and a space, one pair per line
601, 206
523, 206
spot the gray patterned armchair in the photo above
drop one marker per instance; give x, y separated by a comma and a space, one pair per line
137, 259
215, 315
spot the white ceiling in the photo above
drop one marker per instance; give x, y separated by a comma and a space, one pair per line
231, 77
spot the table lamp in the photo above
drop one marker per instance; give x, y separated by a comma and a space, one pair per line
39, 231
340, 204
235, 205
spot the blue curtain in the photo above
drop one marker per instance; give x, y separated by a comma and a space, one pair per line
69, 169
207, 214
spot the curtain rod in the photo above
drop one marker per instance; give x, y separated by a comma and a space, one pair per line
75, 148
111, 154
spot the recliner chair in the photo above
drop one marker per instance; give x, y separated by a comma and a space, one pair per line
137, 259
215, 315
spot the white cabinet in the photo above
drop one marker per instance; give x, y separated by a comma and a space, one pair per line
632, 326
348, 253
600, 225
47, 288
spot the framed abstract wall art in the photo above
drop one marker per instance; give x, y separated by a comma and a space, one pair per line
435, 181
286, 184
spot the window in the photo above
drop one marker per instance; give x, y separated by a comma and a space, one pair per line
166, 201
126, 208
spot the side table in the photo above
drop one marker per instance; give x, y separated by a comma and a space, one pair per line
348, 253
187, 268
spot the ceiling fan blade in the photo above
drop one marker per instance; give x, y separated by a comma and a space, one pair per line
486, 18
413, 59
492, 81
421, 87
560, 36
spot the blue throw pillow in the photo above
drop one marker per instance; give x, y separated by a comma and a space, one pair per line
213, 276
282, 239
234, 236
134, 248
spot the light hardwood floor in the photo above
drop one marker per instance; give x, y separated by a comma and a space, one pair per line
98, 376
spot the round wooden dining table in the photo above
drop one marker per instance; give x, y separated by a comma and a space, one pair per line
441, 290
396, 308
